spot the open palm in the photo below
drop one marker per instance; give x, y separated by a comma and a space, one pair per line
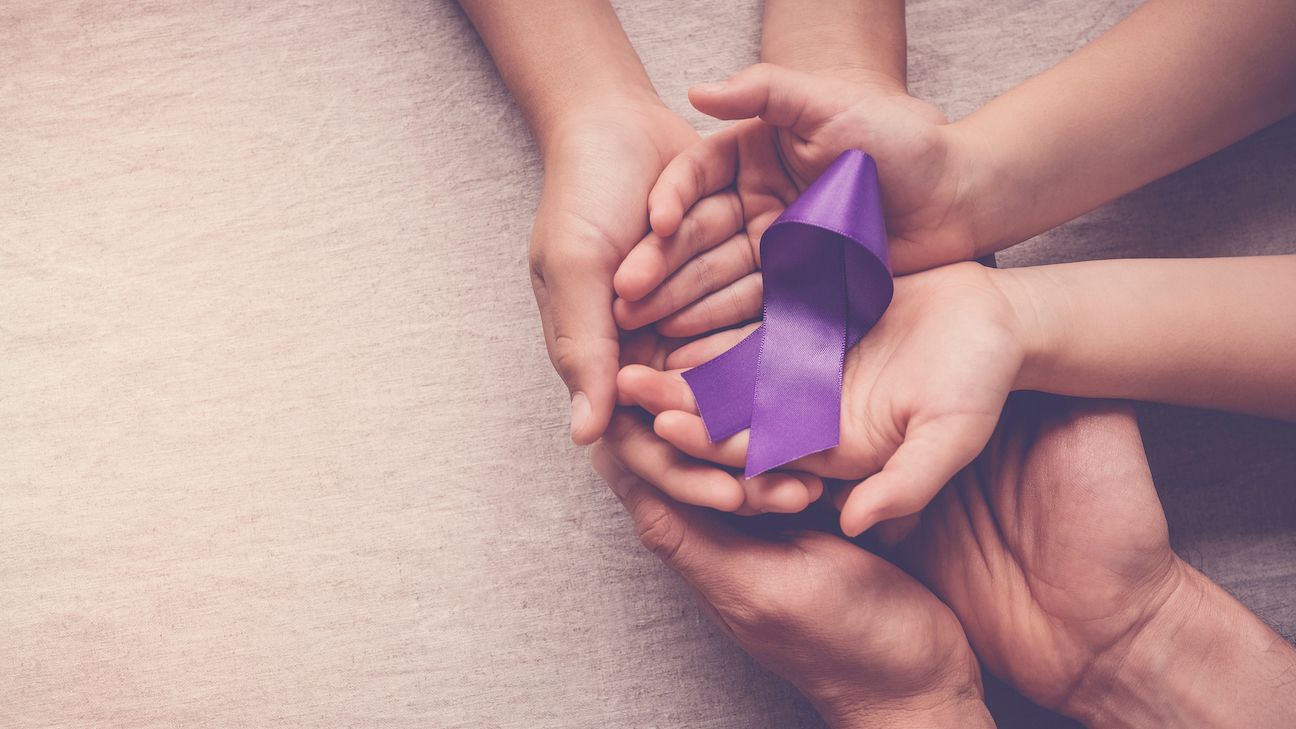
921, 395
1053, 548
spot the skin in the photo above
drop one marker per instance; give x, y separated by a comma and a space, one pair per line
856, 42
1179, 80
605, 137
923, 390
868, 644
921, 395
707, 280
1052, 551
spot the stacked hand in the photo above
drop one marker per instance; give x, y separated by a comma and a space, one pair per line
1051, 550
599, 165
696, 270
921, 393
865, 642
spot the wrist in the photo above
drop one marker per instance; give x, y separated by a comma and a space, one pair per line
596, 103
962, 713
1031, 294
1201, 660
992, 199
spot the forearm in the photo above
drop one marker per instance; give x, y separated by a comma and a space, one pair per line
853, 39
1203, 661
559, 57
1172, 83
1217, 333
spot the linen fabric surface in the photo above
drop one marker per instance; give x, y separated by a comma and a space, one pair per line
279, 442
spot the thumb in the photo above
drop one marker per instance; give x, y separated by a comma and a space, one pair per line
575, 301
689, 541
779, 96
931, 454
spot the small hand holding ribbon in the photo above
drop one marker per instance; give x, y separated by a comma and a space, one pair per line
827, 281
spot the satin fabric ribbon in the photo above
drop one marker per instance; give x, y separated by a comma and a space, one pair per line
827, 282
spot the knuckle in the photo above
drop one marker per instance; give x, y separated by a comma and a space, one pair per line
571, 355
690, 231
660, 532
704, 274
737, 301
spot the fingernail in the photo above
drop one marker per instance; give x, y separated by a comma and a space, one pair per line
713, 87
580, 412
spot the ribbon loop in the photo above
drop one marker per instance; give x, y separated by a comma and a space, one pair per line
827, 281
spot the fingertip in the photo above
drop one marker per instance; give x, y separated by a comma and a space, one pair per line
589, 417
730, 499
676, 427
665, 213
790, 496
856, 516
638, 274
629, 381
623, 315
814, 486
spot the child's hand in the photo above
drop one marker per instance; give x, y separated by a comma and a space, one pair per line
697, 270
922, 393
630, 438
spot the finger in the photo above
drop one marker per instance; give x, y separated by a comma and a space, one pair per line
780, 492
738, 302
633, 443
931, 454
701, 350
654, 390
705, 274
712, 221
574, 294
684, 538
687, 433
647, 347
705, 168
779, 96
719, 563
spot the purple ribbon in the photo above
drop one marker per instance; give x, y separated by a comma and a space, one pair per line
827, 282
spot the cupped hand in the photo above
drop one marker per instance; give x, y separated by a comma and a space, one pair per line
631, 439
600, 164
921, 393
866, 643
696, 270
1052, 548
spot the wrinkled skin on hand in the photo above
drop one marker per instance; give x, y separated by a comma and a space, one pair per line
1052, 548
854, 633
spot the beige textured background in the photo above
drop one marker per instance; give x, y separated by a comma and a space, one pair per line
279, 444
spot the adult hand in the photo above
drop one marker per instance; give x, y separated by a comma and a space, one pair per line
600, 163
862, 640
1053, 551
